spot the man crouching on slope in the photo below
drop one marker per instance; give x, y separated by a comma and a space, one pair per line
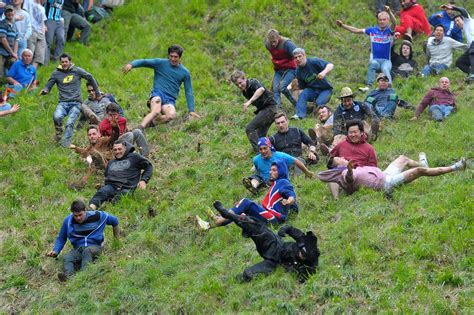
85, 231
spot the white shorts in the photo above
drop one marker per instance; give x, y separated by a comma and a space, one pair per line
393, 177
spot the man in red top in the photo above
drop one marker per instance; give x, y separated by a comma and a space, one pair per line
355, 148
284, 64
412, 20
135, 136
440, 100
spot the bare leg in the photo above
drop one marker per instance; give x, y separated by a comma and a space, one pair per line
402, 162
418, 172
168, 113
334, 188
155, 110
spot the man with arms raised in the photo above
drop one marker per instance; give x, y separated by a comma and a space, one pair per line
169, 75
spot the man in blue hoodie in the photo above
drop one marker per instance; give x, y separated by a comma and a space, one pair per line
277, 203
127, 171
85, 231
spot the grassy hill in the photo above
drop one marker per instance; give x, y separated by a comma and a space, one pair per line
409, 254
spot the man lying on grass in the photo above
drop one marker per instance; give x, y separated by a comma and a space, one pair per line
85, 231
342, 172
278, 202
301, 256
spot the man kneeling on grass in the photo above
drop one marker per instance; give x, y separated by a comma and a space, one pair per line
342, 172
85, 231
278, 202
127, 171
301, 256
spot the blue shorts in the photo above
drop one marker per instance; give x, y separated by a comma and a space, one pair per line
165, 98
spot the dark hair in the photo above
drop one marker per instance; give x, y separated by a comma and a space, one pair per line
410, 56
112, 108
280, 114
93, 127
176, 49
78, 206
122, 142
65, 56
323, 106
458, 16
330, 163
440, 25
355, 122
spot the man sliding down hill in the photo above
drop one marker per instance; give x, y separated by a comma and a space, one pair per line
169, 74
278, 202
351, 179
301, 256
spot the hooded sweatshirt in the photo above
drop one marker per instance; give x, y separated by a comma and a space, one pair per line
88, 233
280, 189
69, 83
126, 172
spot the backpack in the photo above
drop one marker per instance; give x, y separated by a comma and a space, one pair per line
95, 14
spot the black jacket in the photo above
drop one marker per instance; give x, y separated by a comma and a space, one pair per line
129, 170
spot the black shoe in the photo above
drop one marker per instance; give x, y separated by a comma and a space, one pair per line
247, 182
62, 277
312, 134
324, 149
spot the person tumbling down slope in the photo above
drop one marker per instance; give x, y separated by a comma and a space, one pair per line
276, 205
351, 179
169, 75
301, 256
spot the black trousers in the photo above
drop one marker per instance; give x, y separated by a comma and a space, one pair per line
465, 62
259, 125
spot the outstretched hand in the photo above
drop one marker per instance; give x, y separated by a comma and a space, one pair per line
126, 69
52, 254
339, 23
446, 6
193, 115
387, 8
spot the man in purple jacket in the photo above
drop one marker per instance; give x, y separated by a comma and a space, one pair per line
440, 100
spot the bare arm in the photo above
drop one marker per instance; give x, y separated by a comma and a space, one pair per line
301, 166
349, 28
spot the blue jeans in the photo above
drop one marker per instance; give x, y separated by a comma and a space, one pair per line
21, 47
435, 69
386, 110
440, 112
281, 80
107, 193
72, 110
55, 30
81, 255
320, 97
375, 65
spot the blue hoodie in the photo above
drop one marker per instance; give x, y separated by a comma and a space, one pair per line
279, 189
88, 233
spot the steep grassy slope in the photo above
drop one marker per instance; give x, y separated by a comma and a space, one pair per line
412, 253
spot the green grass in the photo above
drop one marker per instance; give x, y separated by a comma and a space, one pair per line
409, 254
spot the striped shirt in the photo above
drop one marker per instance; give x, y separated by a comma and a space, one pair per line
53, 9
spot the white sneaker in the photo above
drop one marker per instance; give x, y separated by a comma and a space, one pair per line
295, 117
460, 165
203, 225
364, 89
422, 159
